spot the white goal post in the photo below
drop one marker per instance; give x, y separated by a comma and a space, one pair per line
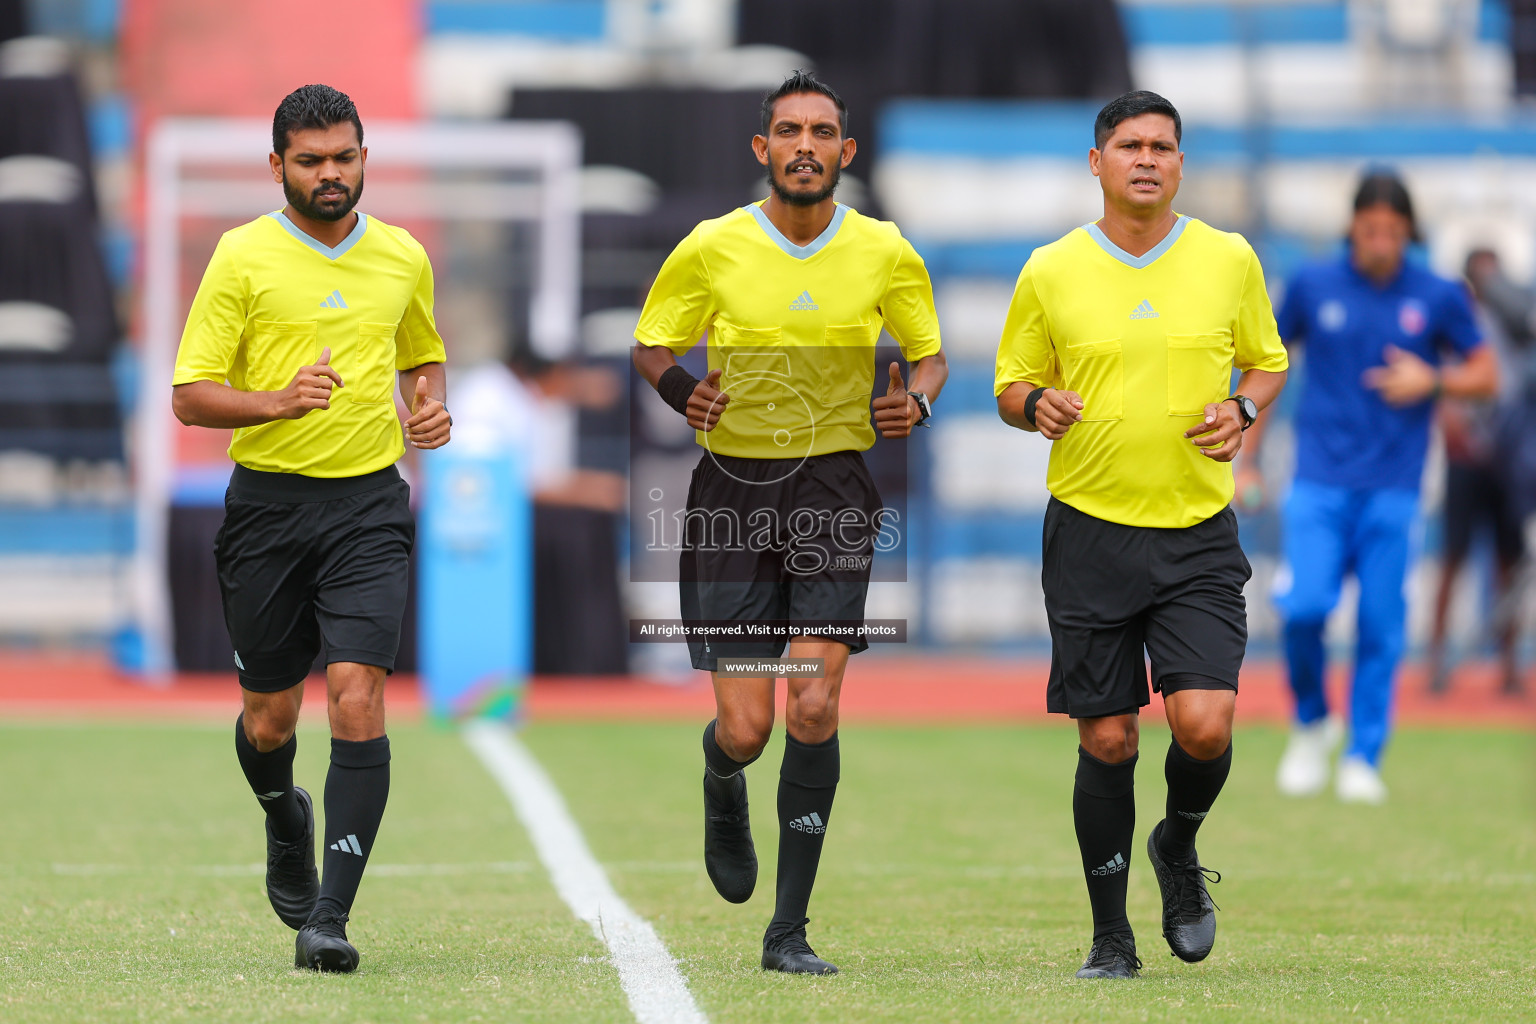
216, 170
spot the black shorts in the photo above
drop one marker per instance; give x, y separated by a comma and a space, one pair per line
302, 559
1476, 494
1114, 591
783, 541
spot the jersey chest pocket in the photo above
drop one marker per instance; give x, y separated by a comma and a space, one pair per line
1199, 371
1096, 371
276, 350
847, 358
757, 369
368, 367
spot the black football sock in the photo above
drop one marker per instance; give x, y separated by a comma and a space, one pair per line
1104, 811
807, 784
721, 766
1193, 786
355, 793
271, 779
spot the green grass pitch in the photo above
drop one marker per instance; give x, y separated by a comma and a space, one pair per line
130, 886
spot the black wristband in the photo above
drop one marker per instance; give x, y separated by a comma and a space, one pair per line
1029, 406
675, 387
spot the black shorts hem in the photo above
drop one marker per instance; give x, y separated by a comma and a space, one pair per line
1193, 676
361, 657
710, 662
1173, 682
1103, 709
275, 684
857, 647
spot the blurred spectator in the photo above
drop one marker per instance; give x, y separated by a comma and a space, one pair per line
1522, 41
1478, 492
1376, 326
13, 19
1513, 308
529, 406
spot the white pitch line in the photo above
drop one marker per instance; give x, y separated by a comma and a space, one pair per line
648, 973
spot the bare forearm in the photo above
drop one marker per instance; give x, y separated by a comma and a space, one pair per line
929, 375
1010, 405
436, 386
1263, 386
204, 403
651, 361
1478, 377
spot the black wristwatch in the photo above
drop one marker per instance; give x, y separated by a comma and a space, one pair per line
924, 408
1245, 408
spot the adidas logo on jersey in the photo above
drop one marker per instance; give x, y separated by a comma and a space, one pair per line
334, 300
347, 845
810, 823
1144, 311
804, 302
1113, 867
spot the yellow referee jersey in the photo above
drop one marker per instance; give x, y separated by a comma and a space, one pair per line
273, 297
793, 328
1147, 341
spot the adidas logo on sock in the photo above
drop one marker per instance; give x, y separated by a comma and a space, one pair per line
1111, 868
810, 823
1144, 311
347, 845
804, 302
1193, 815
335, 301
271, 796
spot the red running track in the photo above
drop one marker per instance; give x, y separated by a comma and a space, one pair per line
915, 690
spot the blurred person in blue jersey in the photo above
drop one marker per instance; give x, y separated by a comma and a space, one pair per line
1376, 326
1480, 483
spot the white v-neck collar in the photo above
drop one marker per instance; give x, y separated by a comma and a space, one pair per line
314, 243
1147, 258
811, 248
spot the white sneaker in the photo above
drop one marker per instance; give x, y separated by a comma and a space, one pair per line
1359, 783
1304, 767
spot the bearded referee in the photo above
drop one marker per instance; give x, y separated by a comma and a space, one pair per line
302, 321
793, 291
1119, 348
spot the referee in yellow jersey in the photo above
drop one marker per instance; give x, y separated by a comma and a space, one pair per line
782, 514
1119, 347
302, 321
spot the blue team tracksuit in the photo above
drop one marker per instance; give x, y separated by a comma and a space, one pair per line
1358, 464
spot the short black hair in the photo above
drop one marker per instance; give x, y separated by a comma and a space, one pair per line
801, 82
312, 106
1133, 104
1381, 185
